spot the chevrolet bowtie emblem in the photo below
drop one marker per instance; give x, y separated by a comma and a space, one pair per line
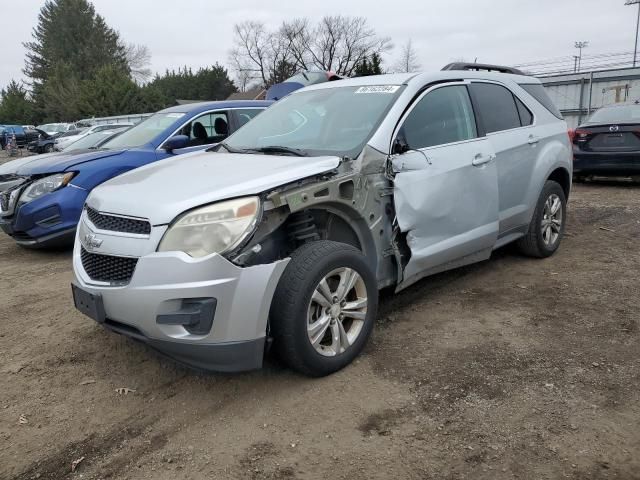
91, 241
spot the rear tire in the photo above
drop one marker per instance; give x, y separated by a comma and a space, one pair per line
324, 308
548, 223
48, 148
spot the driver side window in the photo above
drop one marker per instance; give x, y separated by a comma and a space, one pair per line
442, 116
206, 129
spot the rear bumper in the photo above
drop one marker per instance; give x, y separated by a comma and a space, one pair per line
606, 163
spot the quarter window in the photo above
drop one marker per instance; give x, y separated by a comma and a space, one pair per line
526, 117
496, 106
442, 116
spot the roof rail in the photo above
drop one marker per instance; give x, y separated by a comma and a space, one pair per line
482, 66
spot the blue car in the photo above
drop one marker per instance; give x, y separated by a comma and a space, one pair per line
41, 198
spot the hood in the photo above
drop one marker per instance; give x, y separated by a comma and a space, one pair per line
54, 162
163, 190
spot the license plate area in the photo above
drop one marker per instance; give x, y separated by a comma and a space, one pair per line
615, 139
88, 303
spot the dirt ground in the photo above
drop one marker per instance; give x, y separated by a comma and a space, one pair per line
513, 368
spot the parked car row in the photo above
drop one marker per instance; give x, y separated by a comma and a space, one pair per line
282, 232
23, 135
38, 211
65, 140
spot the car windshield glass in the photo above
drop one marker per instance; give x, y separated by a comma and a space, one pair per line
89, 141
145, 131
53, 127
309, 78
625, 114
329, 121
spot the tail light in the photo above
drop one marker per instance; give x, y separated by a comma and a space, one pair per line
572, 134
581, 135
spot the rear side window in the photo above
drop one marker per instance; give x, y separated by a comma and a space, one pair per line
526, 117
497, 107
537, 91
442, 116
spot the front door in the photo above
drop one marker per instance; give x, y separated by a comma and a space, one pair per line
445, 186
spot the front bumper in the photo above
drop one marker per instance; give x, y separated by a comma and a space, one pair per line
49, 221
159, 287
606, 163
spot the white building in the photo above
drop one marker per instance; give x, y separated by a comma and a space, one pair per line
579, 94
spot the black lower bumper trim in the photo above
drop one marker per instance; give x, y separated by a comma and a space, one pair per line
62, 239
218, 357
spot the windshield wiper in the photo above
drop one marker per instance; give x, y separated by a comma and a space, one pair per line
229, 149
279, 149
268, 149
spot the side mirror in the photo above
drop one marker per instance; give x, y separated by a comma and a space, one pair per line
400, 146
176, 143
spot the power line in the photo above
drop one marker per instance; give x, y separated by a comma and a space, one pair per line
567, 64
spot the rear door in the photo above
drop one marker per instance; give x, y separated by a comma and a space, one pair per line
445, 193
511, 129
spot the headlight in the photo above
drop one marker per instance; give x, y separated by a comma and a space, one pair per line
45, 185
215, 228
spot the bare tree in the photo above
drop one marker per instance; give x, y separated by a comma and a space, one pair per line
139, 58
408, 61
336, 43
252, 51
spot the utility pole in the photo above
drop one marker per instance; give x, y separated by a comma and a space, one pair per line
580, 46
635, 45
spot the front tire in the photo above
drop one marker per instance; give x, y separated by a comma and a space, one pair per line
324, 308
548, 223
48, 148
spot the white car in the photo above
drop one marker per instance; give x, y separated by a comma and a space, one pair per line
285, 232
64, 142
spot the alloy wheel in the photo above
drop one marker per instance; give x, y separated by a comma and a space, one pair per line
551, 226
337, 311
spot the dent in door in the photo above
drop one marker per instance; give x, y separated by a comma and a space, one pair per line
440, 213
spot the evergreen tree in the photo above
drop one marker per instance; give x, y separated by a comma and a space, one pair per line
70, 31
15, 105
69, 36
110, 92
369, 66
210, 83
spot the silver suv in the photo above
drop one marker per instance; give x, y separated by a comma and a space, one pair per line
287, 232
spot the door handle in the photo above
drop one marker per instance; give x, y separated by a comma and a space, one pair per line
481, 159
533, 140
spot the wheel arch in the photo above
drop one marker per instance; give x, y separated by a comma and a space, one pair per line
562, 176
344, 223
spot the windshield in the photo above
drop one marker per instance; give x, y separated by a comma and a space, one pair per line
53, 127
309, 78
145, 131
89, 141
330, 121
624, 114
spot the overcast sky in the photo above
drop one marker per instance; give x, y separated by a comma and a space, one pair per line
199, 32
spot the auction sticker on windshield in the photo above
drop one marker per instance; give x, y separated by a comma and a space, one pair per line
379, 89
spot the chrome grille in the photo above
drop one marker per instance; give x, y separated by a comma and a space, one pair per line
115, 223
107, 268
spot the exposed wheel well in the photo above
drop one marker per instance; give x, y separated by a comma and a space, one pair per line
335, 224
561, 176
